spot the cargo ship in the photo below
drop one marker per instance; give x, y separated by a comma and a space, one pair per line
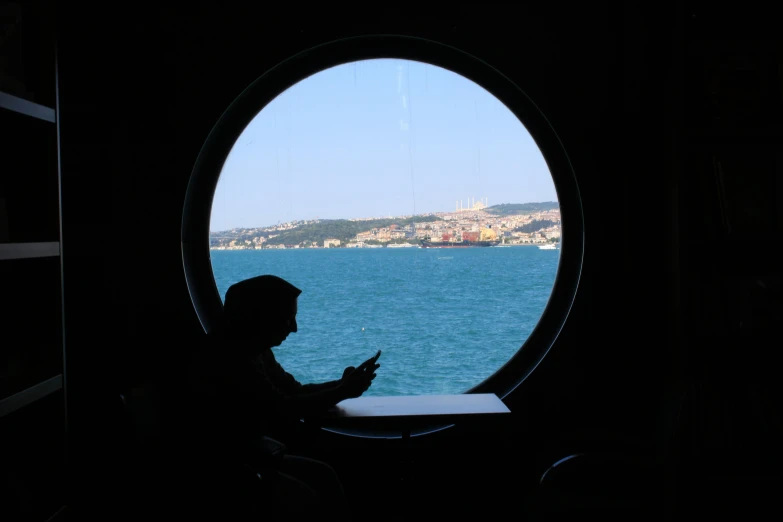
485, 238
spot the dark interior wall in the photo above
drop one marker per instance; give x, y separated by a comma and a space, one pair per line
140, 93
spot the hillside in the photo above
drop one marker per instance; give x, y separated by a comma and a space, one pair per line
511, 209
341, 229
314, 232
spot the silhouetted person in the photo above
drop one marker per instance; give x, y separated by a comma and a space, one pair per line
241, 391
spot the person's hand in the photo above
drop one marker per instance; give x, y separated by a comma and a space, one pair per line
356, 381
366, 364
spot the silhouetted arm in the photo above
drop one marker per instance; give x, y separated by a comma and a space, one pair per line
319, 387
264, 390
283, 394
286, 382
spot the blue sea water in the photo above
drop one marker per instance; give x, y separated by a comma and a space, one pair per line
446, 319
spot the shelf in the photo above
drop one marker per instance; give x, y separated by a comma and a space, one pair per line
28, 108
32, 333
30, 395
29, 250
29, 183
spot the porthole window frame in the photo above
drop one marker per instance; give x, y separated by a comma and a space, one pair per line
203, 181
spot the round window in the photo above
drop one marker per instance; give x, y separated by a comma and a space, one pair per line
419, 199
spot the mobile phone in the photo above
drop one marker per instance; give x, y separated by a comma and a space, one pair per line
369, 362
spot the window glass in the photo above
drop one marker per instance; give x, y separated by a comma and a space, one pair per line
412, 208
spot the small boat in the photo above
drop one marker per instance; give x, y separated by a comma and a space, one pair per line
548, 246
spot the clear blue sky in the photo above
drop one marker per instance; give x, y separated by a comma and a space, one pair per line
377, 138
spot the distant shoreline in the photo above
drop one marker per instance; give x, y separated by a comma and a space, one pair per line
364, 248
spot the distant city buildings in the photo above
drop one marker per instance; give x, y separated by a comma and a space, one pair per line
524, 228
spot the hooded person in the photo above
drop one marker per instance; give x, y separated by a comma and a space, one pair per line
243, 395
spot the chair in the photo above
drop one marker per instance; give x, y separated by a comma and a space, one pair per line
163, 474
619, 485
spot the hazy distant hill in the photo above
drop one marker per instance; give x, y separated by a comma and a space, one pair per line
510, 209
535, 226
341, 229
